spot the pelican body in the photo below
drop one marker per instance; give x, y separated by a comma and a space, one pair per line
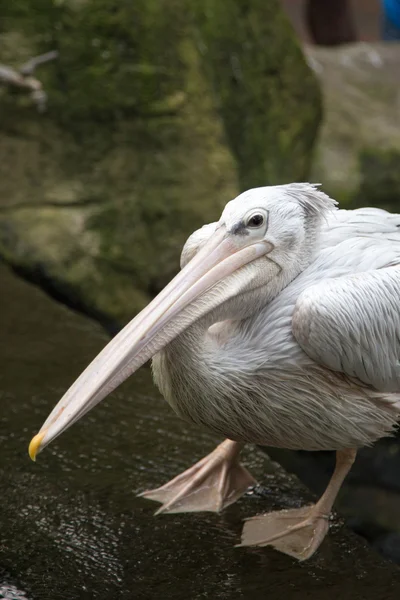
281, 329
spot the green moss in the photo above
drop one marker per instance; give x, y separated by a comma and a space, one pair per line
379, 179
148, 134
113, 60
268, 97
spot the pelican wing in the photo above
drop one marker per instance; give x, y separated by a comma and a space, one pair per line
375, 223
351, 324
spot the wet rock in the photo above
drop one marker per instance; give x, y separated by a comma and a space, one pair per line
158, 113
389, 546
370, 496
71, 525
358, 150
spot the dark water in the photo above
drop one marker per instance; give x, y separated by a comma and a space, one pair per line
71, 526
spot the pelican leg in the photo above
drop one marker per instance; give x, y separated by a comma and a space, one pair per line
299, 532
210, 485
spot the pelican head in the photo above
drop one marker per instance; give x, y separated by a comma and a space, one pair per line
263, 236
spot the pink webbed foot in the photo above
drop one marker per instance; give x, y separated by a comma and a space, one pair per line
299, 532
213, 483
296, 532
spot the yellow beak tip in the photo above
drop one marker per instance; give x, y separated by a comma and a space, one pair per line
34, 446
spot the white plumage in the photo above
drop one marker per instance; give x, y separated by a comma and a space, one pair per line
302, 361
282, 329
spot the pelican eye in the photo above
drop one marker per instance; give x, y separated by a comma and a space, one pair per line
256, 220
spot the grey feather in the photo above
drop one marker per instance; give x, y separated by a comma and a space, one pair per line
312, 200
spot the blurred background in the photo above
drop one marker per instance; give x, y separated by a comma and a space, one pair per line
124, 126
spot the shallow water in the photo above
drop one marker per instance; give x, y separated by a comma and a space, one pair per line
71, 526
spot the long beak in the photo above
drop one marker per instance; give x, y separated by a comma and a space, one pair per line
132, 347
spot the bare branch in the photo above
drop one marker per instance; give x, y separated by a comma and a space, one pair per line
22, 79
29, 67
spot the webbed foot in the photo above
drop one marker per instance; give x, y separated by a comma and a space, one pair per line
296, 532
213, 483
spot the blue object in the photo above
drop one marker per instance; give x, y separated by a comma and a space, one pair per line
391, 20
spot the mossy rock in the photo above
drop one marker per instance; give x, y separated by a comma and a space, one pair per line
379, 178
269, 101
148, 133
358, 150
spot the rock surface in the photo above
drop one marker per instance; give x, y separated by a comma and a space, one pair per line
158, 113
71, 525
358, 151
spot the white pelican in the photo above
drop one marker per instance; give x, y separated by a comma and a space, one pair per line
281, 329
